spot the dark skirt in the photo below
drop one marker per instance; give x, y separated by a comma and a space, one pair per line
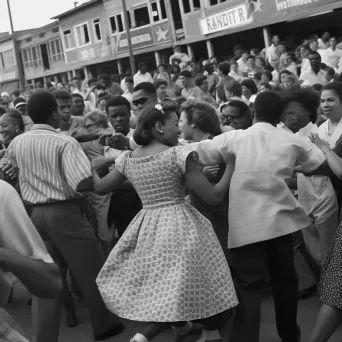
330, 286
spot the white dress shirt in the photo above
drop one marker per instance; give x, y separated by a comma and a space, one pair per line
272, 53
261, 206
139, 78
334, 59
310, 77
322, 45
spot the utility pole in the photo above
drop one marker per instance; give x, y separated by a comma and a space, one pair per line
128, 33
16, 50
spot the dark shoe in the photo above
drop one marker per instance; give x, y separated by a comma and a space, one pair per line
116, 328
307, 293
196, 329
71, 321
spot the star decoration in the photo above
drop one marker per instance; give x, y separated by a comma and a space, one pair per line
161, 35
257, 6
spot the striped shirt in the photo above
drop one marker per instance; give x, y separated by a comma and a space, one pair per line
51, 165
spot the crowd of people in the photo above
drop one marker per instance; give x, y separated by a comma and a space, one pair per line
123, 182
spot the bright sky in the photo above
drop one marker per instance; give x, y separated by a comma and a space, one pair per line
28, 14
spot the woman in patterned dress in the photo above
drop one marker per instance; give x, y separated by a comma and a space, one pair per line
168, 267
330, 286
199, 121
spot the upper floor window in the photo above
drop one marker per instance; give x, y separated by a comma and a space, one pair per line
82, 34
27, 58
190, 5
158, 10
55, 50
8, 58
215, 2
36, 58
116, 23
141, 16
97, 30
68, 39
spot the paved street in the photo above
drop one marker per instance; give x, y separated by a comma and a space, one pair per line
308, 310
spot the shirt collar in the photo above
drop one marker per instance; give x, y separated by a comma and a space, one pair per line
43, 126
310, 127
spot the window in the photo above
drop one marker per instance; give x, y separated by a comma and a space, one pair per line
82, 34
55, 50
188, 5
68, 40
215, 2
36, 59
141, 16
1, 61
8, 58
97, 30
26, 58
116, 23
158, 10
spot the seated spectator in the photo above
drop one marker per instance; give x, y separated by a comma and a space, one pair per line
291, 63
202, 82
314, 74
162, 73
289, 82
102, 101
249, 90
267, 77
142, 75
115, 89
234, 71
329, 74
129, 85
282, 75
264, 86
190, 90
161, 87
224, 70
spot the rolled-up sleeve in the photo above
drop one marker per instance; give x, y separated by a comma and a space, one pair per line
212, 152
76, 165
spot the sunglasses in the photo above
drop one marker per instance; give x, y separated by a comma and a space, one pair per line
140, 101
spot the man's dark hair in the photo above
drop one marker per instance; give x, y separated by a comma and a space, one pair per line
61, 94
306, 97
199, 79
268, 107
267, 74
316, 54
250, 57
77, 95
224, 68
75, 78
104, 77
116, 101
158, 83
147, 87
16, 92
240, 105
40, 107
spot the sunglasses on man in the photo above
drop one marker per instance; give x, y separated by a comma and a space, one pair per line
140, 101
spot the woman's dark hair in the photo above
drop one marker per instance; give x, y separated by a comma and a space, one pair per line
199, 79
16, 118
203, 115
307, 98
317, 86
91, 80
148, 117
251, 85
336, 87
233, 87
118, 100
287, 72
175, 69
41, 105
158, 83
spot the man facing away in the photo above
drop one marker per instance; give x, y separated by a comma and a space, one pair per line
53, 169
262, 214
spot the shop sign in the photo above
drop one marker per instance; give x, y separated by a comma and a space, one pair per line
230, 18
142, 37
288, 4
8, 76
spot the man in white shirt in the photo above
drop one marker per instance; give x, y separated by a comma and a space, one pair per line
272, 51
334, 56
314, 74
242, 61
142, 75
263, 213
323, 42
23, 253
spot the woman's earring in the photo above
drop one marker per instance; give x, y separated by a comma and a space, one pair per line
17, 130
161, 132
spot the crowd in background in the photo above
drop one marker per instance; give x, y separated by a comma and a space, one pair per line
103, 116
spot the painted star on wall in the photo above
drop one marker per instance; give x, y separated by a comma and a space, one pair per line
257, 5
161, 35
